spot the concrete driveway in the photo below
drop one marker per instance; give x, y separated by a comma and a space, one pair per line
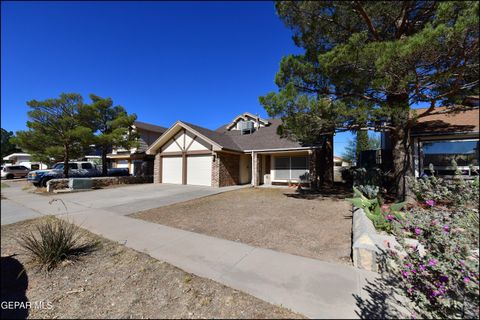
21, 204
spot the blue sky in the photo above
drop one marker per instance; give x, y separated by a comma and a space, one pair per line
203, 62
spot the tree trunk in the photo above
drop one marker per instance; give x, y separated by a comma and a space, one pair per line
65, 161
401, 148
326, 161
104, 161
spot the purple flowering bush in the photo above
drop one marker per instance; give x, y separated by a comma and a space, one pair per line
451, 192
443, 282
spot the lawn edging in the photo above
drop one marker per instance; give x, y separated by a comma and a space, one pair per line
368, 245
97, 182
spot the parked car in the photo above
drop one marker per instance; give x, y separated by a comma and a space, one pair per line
10, 172
77, 169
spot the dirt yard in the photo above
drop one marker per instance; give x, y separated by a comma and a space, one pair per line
117, 282
312, 226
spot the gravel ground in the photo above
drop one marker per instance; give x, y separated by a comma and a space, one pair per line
118, 282
313, 226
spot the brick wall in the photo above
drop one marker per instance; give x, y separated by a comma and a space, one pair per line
226, 170
157, 167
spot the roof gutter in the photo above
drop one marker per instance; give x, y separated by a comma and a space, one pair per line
444, 133
280, 149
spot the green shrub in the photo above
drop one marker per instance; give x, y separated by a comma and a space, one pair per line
371, 192
56, 240
454, 192
381, 216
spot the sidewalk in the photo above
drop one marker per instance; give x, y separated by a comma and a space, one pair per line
311, 287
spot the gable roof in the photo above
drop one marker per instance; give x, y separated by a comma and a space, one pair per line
149, 127
221, 139
457, 122
263, 138
244, 116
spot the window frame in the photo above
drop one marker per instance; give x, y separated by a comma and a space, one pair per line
290, 168
424, 167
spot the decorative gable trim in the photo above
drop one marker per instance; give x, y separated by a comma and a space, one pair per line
247, 116
179, 127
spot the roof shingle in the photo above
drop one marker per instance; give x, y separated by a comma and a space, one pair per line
149, 127
462, 121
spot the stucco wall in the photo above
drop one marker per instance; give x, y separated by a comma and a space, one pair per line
245, 168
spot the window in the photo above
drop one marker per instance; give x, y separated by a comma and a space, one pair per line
337, 163
59, 166
87, 166
440, 153
291, 168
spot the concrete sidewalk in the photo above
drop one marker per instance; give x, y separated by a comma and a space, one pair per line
311, 287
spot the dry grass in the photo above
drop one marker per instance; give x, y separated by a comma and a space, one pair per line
117, 282
309, 225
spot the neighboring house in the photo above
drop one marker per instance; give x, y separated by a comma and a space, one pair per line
135, 159
248, 150
23, 159
339, 164
439, 139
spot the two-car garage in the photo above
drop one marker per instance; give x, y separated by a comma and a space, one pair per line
197, 169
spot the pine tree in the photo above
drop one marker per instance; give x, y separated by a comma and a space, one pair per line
368, 62
54, 130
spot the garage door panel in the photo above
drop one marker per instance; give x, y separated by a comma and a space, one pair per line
199, 170
172, 170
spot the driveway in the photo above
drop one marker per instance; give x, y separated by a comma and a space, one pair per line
121, 200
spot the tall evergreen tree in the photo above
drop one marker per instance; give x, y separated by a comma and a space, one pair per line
111, 125
55, 130
352, 151
374, 60
7, 146
362, 141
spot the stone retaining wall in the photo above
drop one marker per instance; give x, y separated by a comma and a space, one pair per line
100, 182
369, 246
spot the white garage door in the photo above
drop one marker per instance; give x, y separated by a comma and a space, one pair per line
199, 170
172, 170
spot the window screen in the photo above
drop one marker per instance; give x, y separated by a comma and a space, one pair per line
295, 168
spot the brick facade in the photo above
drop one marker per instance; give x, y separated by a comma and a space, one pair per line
226, 170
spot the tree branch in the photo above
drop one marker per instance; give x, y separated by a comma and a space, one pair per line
357, 5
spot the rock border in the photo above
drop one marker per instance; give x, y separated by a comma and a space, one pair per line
98, 182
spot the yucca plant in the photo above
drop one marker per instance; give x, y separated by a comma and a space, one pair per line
56, 240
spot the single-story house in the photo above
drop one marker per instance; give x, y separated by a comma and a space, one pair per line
23, 159
440, 138
247, 150
136, 159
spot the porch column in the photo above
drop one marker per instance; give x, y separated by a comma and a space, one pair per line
255, 174
157, 169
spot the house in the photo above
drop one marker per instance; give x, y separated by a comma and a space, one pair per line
339, 164
23, 159
136, 159
247, 150
440, 138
